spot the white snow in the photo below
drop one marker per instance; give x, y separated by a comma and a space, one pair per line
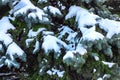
42, 1
110, 26
5, 25
106, 76
25, 6
65, 29
2, 59
37, 47
70, 36
47, 33
28, 41
61, 5
80, 49
85, 18
35, 33
100, 78
52, 43
33, 15
21, 4
94, 70
1, 48
96, 58
1, 65
53, 10
69, 54
109, 64
5, 38
49, 72
10, 63
22, 7
4, 2
14, 49
37, 13
55, 71
73, 11
92, 35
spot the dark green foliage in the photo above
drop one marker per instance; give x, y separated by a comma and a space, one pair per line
80, 67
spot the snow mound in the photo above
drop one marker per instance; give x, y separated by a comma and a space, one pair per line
27, 9
5, 38
79, 50
14, 51
5, 25
52, 43
110, 26
73, 11
92, 35
53, 10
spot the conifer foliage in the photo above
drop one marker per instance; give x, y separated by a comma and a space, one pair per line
59, 39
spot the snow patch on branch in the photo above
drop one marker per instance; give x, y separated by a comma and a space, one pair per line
5, 38
5, 25
55, 71
53, 10
35, 33
14, 51
42, 1
109, 64
52, 43
110, 26
37, 47
26, 9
